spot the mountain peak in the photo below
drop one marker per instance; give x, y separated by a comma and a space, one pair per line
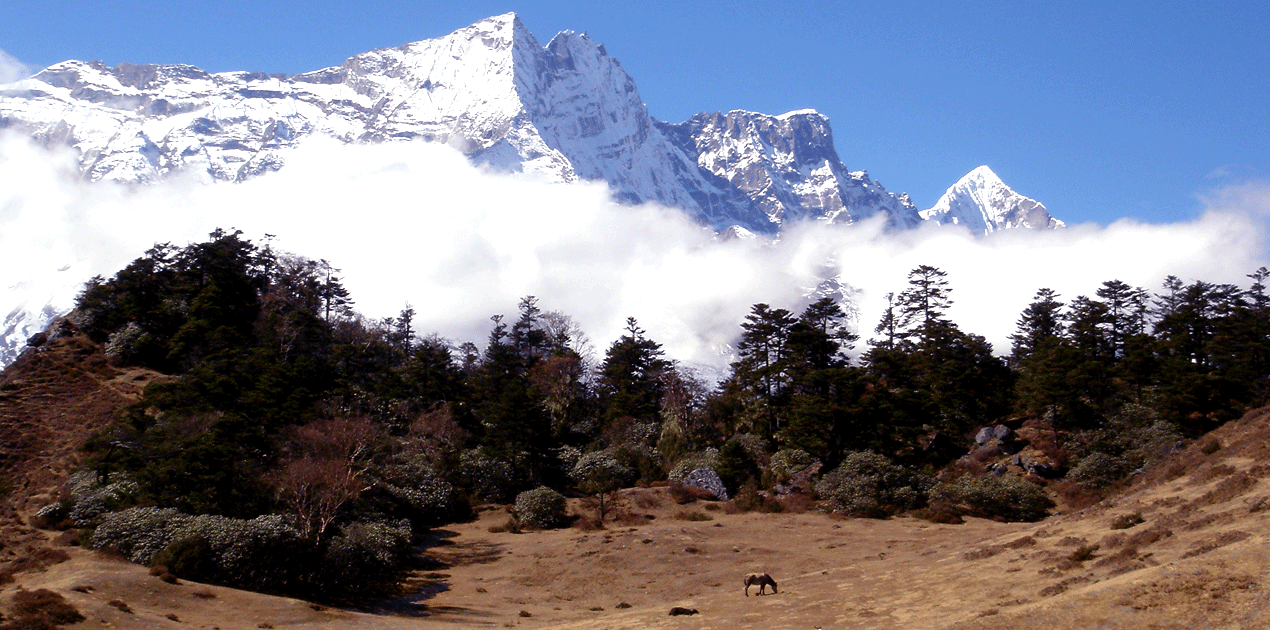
508, 22
982, 174
984, 203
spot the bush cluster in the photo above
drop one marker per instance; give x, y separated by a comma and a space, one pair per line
84, 500
255, 553
129, 343
601, 471
139, 533
425, 494
1099, 470
363, 556
40, 609
868, 484
490, 478
707, 459
542, 508
1009, 498
261, 553
788, 461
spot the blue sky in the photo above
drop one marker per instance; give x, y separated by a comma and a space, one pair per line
1099, 110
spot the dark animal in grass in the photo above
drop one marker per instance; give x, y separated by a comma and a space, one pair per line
763, 580
680, 610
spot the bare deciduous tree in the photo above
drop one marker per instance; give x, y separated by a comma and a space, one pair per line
315, 489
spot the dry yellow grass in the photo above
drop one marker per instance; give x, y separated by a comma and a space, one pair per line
1199, 559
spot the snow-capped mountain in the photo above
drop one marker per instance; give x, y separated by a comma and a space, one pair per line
567, 110
983, 203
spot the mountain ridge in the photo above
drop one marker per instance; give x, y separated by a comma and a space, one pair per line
566, 111
984, 204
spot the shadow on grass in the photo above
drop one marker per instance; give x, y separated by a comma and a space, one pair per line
427, 579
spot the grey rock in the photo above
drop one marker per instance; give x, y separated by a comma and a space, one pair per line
707, 479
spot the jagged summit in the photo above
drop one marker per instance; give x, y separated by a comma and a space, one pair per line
983, 203
566, 110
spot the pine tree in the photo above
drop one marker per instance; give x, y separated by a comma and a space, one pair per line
403, 329
527, 334
1126, 313
1041, 320
762, 370
631, 376
925, 302
888, 327
819, 339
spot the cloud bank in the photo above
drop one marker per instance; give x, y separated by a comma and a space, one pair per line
416, 223
11, 69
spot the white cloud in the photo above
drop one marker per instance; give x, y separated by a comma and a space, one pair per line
411, 222
11, 69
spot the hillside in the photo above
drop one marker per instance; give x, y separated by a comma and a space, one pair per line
1197, 559
51, 400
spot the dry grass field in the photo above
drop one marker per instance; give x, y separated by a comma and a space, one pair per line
1198, 558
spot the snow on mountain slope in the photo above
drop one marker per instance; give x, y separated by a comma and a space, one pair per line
566, 110
983, 203
788, 165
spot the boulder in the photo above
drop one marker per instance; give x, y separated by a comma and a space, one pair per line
707, 479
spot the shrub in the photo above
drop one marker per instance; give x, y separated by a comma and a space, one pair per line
1125, 521
682, 494
788, 461
644, 461
257, 553
599, 473
755, 446
707, 459
1083, 553
262, 553
364, 557
129, 343
138, 533
86, 500
1099, 470
736, 466
490, 478
50, 515
1009, 498
870, 485
42, 608
940, 512
1151, 443
542, 508
749, 499
428, 499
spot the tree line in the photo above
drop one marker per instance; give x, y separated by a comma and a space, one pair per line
288, 402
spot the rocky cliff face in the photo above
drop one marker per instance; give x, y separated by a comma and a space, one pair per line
566, 110
983, 203
788, 166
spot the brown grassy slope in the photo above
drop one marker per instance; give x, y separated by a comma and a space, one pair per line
1200, 558
51, 400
